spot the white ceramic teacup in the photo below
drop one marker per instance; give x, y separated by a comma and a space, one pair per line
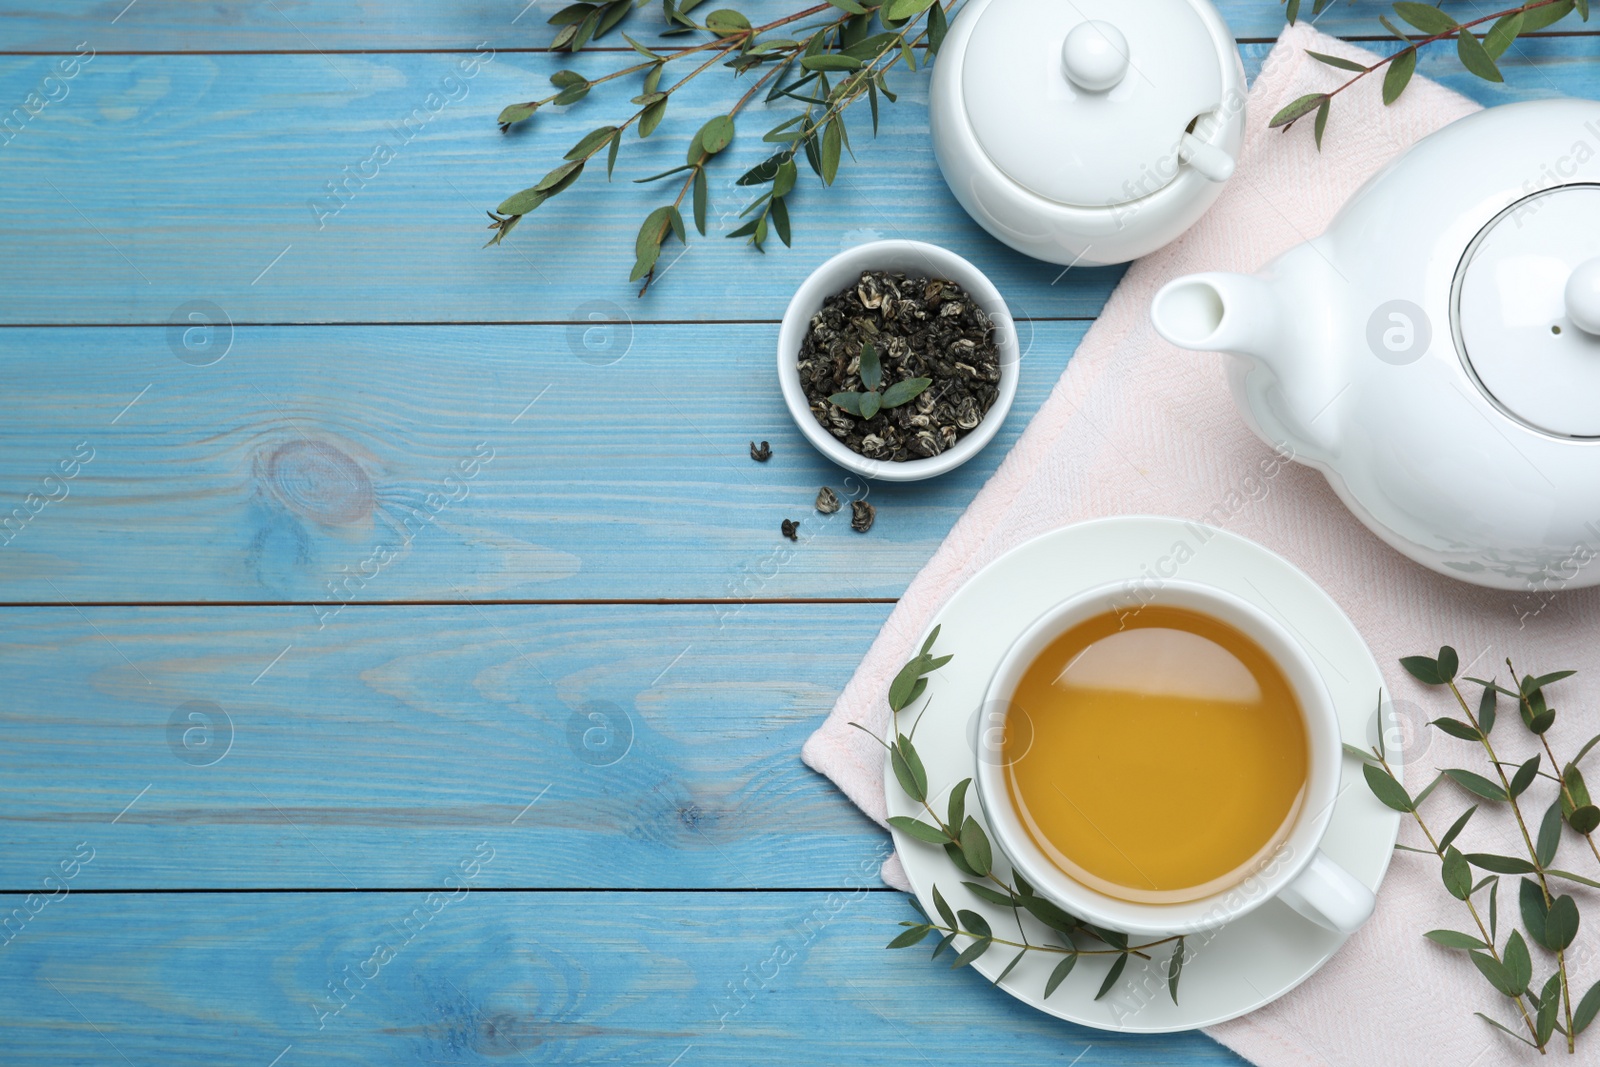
1296, 871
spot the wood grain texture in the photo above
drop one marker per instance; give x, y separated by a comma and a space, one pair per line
252, 749
161, 180
406, 463
599, 978
370, 25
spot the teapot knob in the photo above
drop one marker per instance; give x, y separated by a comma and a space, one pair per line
1095, 56
1583, 296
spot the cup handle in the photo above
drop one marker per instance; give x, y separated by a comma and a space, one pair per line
1330, 896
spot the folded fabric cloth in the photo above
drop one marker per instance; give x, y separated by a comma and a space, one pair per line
1136, 426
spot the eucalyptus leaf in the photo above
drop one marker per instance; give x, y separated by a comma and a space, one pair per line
716, 134
1540, 17
1456, 827
1586, 1009
1530, 899
830, 151
1064, 968
1112, 975
905, 391
831, 61
975, 847
914, 762
870, 367
1549, 1009
1549, 834
1518, 964
1476, 784
972, 952
1321, 125
700, 199
517, 112
911, 937
1385, 788
1561, 925
1423, 668
946, 912
1454, 939
1050, 914
651, 117
726, 22
1426, 18
1456, 874
591, 142
976, 923
1488, 861
850, 402
1336, 61
1401, 68
1174, 970
1486, 709
1457, 728
871, 401
1521, 780
990, 895
918, 829
523, 202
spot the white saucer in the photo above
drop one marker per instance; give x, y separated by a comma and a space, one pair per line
1231, 971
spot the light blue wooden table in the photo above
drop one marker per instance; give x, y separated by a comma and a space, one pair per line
534, 794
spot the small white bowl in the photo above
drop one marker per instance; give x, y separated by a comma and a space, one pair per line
912, 258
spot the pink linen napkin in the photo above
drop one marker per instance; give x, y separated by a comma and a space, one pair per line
1135, 426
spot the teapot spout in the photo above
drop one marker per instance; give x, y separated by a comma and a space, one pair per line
1220, 312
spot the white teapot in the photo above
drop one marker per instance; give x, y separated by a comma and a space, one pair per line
1436, 353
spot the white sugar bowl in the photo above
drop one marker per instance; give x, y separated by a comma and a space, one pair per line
1091, 132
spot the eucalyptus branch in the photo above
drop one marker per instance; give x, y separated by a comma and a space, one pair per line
844, 44
966, 844
1486, 933
1477, 55
1550, 919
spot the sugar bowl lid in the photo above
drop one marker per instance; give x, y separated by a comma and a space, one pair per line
1087, 103
1526, 310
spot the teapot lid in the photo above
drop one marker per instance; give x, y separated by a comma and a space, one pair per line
1526, 310
1085, 103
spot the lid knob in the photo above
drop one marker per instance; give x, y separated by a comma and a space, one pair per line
1583, 296
1095, 56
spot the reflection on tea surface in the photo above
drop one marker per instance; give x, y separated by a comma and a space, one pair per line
1167, 754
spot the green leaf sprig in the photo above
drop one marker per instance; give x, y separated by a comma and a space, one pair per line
969, 851
1479, 55
1550, 918
827, 66
868, 403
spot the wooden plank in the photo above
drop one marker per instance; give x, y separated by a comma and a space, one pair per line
406, 463
467, 978
162, 180
257, 183
369, 25
599, 746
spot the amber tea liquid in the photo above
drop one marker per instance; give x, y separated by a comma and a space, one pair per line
1155, 756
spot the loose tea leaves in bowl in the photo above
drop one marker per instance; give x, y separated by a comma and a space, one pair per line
900, 367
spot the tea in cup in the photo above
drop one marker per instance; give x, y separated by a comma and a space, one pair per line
1165, 765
